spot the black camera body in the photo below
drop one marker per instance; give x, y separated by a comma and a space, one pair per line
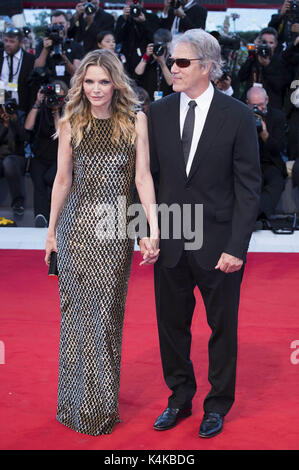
54, 32
89, 8
264, 50
293, 12
26, 31
135, 9
11, 106
259, 116
159, 49
52, 98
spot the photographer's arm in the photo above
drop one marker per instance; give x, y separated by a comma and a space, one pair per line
40, 61
61, 187
31, 117
140, 68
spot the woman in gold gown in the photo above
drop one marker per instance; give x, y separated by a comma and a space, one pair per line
103, 152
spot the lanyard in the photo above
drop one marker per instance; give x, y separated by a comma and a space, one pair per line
10, 66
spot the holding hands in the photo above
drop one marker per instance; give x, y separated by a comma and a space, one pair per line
149, 248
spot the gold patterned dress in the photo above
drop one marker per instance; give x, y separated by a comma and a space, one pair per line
94, 272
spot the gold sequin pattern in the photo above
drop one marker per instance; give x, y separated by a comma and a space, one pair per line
93, 282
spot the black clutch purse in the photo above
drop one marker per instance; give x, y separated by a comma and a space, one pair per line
53, 264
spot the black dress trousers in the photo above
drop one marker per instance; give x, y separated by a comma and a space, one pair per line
175, 303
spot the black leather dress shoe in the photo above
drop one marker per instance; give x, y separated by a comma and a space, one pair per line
170, 418
211, 425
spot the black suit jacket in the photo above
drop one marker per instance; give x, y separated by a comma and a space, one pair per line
195, 18
225, 176
26, 93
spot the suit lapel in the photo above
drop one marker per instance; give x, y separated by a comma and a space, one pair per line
214, 121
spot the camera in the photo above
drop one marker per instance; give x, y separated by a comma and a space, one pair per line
176, 4
52, 98
226, 72
89, 8
263, 50
259, 116
55, 33
159, 49
26, 31
11, 106
135, 9
293, 12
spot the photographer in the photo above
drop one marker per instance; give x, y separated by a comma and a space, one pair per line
12, 157
16, 66
286, 22
42, 124
60, 55
134, 30
152, 72
224, 84
291, 55
87, 22
266, 66
180, 15
270, 125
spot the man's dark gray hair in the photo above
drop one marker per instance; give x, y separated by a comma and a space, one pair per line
205, 46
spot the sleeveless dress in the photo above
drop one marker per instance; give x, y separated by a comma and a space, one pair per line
94, 271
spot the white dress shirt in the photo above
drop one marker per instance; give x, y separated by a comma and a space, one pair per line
201, 110
17, 63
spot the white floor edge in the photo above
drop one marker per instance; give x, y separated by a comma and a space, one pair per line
27, 238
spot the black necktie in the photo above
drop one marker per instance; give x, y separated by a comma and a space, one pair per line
10, 79
188, 130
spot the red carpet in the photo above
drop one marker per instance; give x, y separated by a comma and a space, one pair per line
266, 412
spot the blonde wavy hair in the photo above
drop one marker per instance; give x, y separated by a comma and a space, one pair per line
124, 100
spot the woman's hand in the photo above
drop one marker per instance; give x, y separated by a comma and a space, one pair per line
51, 245
149, 248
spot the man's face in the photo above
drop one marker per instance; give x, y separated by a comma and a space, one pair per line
11, 44
258, 100
192, 79
270, 40
60, 20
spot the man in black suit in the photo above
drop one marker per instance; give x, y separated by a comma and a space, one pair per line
16, 65
204, 155
271, 124
180, 15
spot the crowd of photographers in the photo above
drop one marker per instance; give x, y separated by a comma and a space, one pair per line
35, 78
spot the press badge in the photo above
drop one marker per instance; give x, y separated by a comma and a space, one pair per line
12, 87
60, 70
158, 95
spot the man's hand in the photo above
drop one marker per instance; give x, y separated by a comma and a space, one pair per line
228, 263
47, 43
140, 19
285, 7
264, 134
79, 8
264, 61
179, 12
149, 249
166, 6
